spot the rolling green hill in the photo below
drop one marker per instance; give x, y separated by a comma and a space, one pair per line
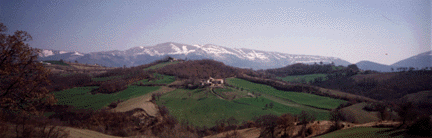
300, 98
160, 65
201, 108
355, 113
81, 98
299, 78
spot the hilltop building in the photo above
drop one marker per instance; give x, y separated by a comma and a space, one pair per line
212, 82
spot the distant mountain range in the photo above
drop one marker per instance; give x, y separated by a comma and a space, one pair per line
418, 61
243, 58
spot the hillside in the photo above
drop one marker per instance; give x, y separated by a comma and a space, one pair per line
369, 65
381, 86
64, 67
172, 94
302, 69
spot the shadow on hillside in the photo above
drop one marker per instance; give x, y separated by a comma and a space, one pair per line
393, 132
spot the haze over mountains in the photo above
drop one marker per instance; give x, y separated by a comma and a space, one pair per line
244, 58
418, 61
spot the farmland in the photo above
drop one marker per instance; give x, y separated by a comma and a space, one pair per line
199, 106
80, 97
159, 79
300, 98
160, 65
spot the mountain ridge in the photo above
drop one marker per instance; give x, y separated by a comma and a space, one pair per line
238, 57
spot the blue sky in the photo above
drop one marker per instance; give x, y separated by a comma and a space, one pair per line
383, 31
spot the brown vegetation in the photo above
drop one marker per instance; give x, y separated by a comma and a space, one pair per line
300, 69
398, 85
199, 69
20, 74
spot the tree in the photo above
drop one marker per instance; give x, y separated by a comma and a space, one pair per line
21, 76
336, 118
271, 105
406, 114
268, 123
286, 121
305, 119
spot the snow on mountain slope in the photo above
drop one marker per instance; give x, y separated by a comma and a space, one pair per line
245, 58
45, 53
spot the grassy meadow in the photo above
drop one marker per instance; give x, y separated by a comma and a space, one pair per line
161, 65
202, 108
56, 62
160, 79
298, 78
81, 98
106, 78
297, 97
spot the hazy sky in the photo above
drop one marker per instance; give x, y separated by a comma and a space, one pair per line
351, 30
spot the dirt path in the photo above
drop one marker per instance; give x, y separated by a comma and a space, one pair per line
214, 93
244, 133
84, 133
142, 102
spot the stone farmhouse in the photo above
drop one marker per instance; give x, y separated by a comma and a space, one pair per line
212, 82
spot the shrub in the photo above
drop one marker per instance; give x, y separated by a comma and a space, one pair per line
268, 123
421, 127
112, 86
30, 125
286, 121
59, 82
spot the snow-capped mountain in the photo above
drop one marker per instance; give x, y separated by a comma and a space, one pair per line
244, 58
58, 54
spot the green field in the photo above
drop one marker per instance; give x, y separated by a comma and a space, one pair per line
365, 132
160, 79
56, 62
297, 97
161, 65
81, 98
355, 113
201, 108
298, 78
106, 78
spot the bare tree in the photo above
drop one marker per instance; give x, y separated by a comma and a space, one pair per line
21, 76
305, 118
286, 121
268, 123
336, 118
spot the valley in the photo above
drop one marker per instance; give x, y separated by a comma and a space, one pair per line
215, 69
179, 94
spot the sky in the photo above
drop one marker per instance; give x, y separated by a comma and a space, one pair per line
382, 31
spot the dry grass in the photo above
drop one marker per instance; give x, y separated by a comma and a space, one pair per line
244, 133
142, 102
356, 114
